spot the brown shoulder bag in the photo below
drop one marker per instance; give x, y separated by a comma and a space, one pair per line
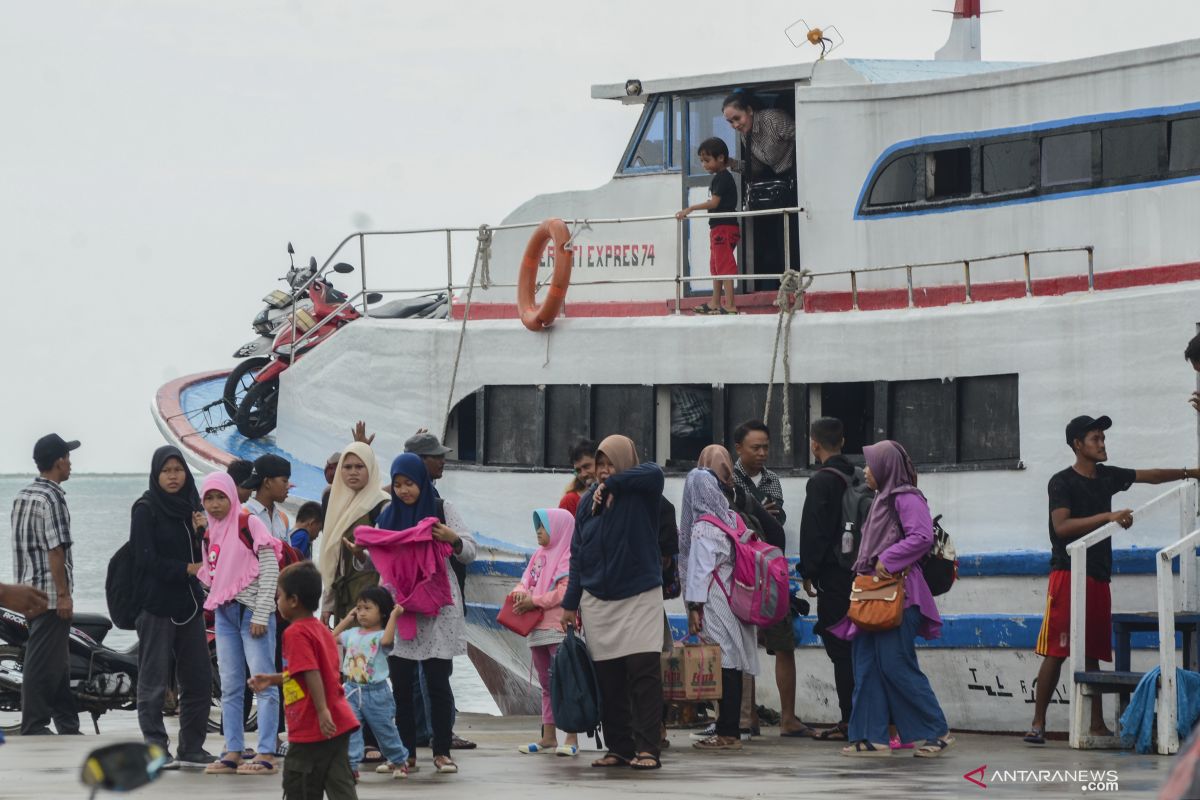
877, 604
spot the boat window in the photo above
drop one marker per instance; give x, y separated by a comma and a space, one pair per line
988, 419
691, 421
510, 427
677, 158
948, 173
1185, 145
1131, 151
706, 119
897, 183
460, 433
854, 405
1009, 166
651, 150
919, 415
744, 402
628, 410
568, 412
1067, 158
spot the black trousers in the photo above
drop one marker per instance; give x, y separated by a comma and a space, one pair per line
162, 645
315, 770
729, 709
833, 603
46, 690
441, 699
631, 688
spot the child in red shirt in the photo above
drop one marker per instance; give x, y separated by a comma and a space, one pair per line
319, 720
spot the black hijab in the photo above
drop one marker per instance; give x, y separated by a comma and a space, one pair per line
172, 506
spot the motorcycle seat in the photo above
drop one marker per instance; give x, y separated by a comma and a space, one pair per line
94, 625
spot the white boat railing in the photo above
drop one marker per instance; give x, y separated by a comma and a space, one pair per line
1185, 548
1185, 495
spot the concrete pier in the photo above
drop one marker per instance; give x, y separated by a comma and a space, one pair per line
47, 768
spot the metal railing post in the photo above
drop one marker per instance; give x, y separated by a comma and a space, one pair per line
678, 264
787, 242
854, 290
362, 268
908, 276
1028, 277
1168, 738
449, 269
1091, 251
967, 278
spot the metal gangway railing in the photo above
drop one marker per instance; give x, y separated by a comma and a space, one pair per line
1188, 600
680, 280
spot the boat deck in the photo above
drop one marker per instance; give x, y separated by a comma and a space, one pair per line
48, 767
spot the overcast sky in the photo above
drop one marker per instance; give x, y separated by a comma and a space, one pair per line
158, 156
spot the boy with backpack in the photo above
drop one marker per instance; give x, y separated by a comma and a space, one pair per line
828, 548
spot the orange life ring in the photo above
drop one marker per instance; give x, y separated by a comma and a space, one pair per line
537, 316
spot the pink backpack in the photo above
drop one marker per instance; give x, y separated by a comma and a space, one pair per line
760, 594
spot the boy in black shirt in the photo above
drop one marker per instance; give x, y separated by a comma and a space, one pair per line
723, 233
1081, 502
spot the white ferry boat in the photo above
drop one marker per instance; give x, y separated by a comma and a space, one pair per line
993, 249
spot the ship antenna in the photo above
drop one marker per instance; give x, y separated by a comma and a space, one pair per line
963, 42
818, 37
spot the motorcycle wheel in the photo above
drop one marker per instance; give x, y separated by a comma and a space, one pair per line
214, 711
256, 415
12, 659
240, 381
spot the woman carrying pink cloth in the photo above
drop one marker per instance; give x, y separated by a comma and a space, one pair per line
543, 586
412, 566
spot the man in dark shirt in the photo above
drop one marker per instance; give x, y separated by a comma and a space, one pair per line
820, 538
1080, 503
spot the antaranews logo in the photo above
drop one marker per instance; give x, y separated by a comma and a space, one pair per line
1088, 780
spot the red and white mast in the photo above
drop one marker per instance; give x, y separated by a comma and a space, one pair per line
963, 43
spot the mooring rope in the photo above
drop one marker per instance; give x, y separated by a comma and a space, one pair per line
481, 270
792, 287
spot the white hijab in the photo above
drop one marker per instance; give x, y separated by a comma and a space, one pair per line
346, 506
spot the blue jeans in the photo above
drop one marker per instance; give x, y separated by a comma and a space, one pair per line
423, 708
374, 705
890, 687
236, 649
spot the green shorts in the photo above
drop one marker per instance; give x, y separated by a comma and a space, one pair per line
780, 636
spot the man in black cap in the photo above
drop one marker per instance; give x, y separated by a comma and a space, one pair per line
41, 528
270, 479
1081, 502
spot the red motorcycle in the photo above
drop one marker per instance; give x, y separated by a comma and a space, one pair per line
256, 414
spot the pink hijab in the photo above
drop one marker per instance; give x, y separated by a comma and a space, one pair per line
231, 566
550, 564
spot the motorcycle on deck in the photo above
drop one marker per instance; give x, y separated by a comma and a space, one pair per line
256, 412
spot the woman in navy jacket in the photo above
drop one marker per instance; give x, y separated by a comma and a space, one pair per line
615, 584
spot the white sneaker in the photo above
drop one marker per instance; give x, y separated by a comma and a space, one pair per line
706, 733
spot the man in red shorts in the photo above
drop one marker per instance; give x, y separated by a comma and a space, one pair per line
1081, 502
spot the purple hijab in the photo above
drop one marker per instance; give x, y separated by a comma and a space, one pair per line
894, 474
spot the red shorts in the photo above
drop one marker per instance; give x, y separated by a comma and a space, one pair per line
722, 242
1055, 637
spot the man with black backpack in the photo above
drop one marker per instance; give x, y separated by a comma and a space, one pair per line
829, 536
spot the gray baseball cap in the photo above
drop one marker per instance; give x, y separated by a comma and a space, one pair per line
426, 444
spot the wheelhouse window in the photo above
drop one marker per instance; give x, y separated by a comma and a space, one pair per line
1009, 166
1067, 158
705, 120
897, 183
948, 173
1132, 151
655, 148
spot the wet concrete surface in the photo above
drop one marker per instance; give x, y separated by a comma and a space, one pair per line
47, 767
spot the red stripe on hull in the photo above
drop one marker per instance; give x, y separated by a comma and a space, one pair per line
167, 402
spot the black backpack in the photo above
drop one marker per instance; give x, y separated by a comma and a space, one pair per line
120, 588
856, 504
574, 691
940, 566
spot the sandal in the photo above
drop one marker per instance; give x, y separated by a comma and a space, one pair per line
719, 743
1036, 735
835, 734
532, 748
934, 747
611, 760
445, 765
372, 756
224, 766
412, 765
653, 759
259, 766
895, 744
865, 749
567, 750
803, 733
726, 311
704, 308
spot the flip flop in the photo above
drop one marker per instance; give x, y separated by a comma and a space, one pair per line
258, 767
532, 748
224, 766
646, 757
610, 760
1035, 736
834, 734
704, 308
804, 733
865, 749
567, 750
934, 747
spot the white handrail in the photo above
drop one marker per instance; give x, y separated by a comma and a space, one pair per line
1185, 548
1077, 551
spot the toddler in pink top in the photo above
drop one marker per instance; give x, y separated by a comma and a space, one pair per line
543, 586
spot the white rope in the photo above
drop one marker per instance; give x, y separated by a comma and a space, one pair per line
792, 287
481, 270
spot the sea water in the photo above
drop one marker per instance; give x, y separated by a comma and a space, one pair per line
100, 506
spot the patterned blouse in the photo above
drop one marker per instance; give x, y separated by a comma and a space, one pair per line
772, 142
